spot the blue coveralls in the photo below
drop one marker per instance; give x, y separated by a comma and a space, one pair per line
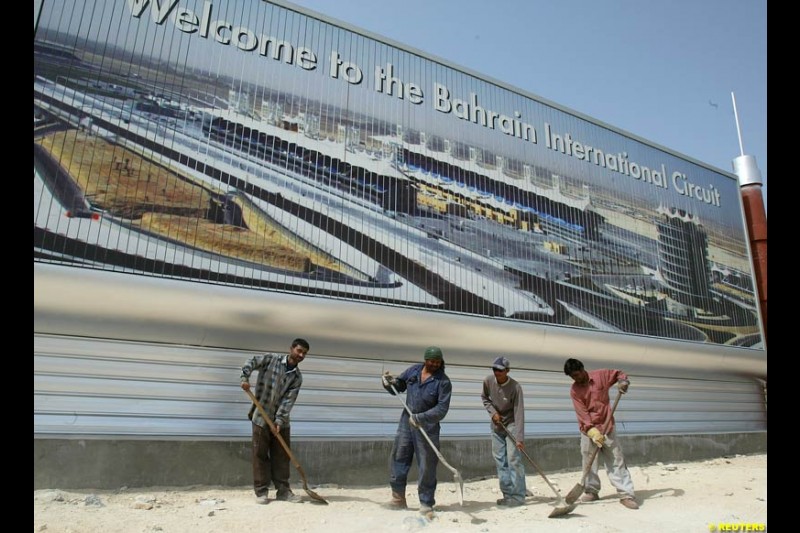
430, 401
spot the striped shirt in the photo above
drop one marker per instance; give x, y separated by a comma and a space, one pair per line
276, 389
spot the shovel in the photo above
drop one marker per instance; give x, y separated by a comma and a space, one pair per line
456, 475
562, 507
577, 490
265, 416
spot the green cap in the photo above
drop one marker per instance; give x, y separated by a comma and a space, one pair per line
433, 352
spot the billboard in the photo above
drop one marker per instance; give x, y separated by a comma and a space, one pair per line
251, 144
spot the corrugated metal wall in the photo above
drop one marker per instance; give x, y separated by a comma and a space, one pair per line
95, 388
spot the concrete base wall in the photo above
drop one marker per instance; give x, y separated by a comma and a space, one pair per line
111, 464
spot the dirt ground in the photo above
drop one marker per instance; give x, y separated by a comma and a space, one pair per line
692, 497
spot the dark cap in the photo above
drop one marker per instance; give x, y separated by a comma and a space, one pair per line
433, 352
501, 363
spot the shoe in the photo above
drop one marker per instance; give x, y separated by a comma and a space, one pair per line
287, 496
590, 497
397, 502
262, 500
425, 509
630, 503
506, 502
510, 503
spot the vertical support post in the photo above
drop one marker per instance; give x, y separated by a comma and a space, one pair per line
750, 183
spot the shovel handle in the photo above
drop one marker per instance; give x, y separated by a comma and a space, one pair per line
456, 473
275, 432
424, 433
285, 446
536, 466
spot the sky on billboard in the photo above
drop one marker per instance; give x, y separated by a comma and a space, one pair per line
663, 71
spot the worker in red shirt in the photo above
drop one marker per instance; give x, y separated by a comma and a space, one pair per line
589, 395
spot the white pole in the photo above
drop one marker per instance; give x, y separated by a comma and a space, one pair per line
738, 129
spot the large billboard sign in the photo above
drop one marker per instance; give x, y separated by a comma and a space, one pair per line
248, 143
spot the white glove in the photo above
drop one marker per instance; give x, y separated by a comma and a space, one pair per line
622, 385
412, 419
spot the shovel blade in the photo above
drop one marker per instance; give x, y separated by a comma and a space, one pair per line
316, 497
562, 510
460, 482
575, 493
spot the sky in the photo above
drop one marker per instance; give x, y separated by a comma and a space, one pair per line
663, 71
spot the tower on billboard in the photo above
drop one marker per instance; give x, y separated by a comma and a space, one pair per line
683, 256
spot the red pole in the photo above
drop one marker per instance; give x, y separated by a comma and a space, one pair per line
756, 220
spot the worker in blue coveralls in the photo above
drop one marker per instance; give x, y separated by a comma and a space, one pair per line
428, 391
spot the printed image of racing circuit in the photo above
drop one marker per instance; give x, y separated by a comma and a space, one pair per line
163, 166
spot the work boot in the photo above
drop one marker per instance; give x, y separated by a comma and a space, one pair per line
262, 500
590, 497
398, 501
509, 502
630, 503
287, 496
